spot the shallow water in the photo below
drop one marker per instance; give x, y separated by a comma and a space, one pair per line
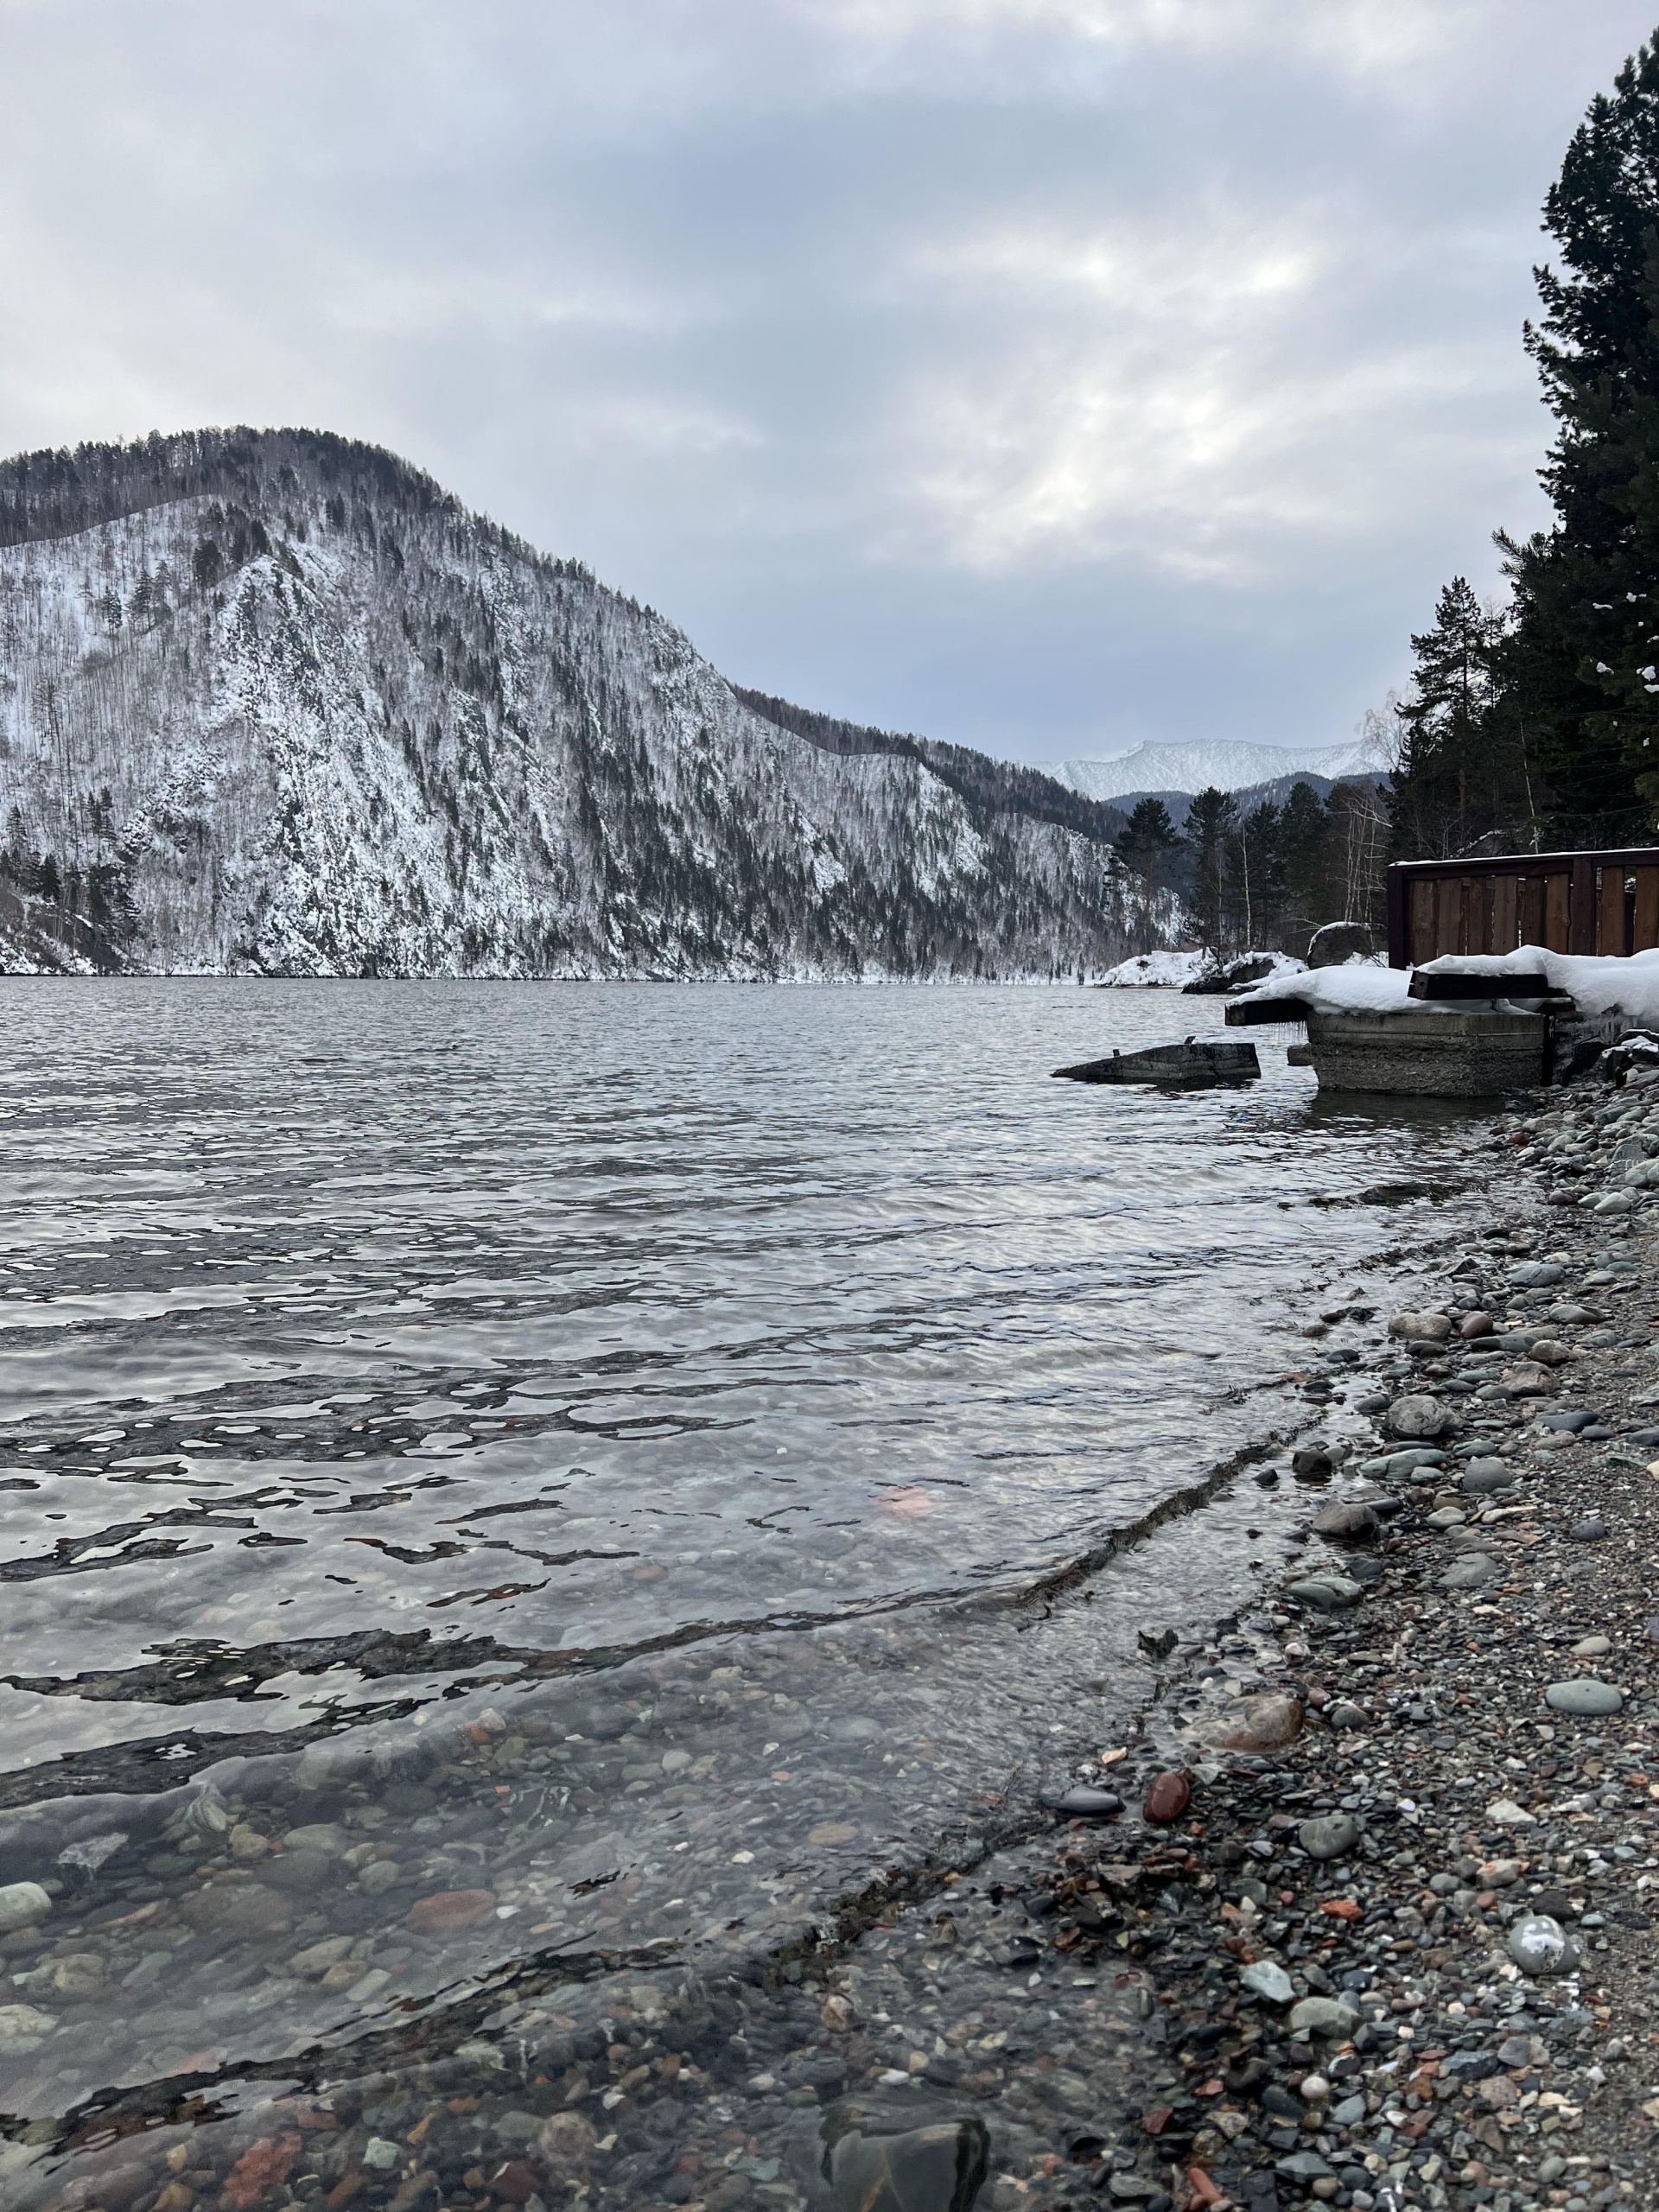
493, 1475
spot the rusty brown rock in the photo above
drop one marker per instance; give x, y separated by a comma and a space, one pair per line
260, 2168
1168, 1798
446, 1912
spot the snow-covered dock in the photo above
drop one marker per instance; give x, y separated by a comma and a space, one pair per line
1432, 1031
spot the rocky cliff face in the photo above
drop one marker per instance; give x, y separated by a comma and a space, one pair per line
273, 703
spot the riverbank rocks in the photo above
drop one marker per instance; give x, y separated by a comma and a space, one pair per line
22, 1904
1332, 2018
1081, 1803
1418, 1415
1481, 1477
1350, 1524
1527, 1380
1475, 1325
1331, 1835
1266, 1722
1427, 1328
1539, 1945
1265, 1980
21, 2028
942, 2165
1471, 1572
247, 1909
446, 1912
1168, 1798
1325, 1594
1584, 1699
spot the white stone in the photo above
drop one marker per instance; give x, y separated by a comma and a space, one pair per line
22, 1904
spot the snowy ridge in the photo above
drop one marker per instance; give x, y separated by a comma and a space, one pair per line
310, 717
1224, 763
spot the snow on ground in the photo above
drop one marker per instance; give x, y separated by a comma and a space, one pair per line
1157, 971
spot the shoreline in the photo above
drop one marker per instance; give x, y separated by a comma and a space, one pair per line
1381, 1857
1037, 2010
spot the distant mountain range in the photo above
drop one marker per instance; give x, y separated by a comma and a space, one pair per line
1222, 763
273, 702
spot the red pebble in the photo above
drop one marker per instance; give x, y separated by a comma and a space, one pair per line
447, 1910
1169, 1797
515, 2184
268, 2161
1202, 2189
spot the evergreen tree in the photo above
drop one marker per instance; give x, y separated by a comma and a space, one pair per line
1579, 673
1255, 879
1210, 821
1303, 827
1457, 784
1148, 838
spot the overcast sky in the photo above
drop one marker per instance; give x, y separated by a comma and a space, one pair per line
1043, 374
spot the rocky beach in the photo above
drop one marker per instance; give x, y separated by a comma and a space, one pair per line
1350, 1904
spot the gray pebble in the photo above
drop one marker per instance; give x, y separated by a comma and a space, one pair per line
1587, 1698
1329, 1836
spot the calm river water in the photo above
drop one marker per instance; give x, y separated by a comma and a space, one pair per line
493, 1475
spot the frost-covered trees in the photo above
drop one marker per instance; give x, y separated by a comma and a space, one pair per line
274, 701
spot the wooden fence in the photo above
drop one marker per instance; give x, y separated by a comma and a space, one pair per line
1570, 902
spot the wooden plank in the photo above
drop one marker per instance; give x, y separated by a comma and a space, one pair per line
1506, 912
1609, 913
1534, 900
1581, 904
1399, 934
1485, 891
1644, 933
1420, 895
1448, 916
1557, 892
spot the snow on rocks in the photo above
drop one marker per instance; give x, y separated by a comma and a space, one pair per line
1157, 971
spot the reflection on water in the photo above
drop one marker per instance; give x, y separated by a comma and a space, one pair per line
498, 1481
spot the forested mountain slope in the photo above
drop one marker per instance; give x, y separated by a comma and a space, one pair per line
272, 702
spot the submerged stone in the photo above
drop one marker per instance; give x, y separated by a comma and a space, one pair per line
938, 2168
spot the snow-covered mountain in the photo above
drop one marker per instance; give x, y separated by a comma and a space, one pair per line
273, 702
1224, 763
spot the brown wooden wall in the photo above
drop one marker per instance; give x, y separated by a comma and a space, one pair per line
1603, 903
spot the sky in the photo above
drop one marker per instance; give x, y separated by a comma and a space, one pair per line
1044, 375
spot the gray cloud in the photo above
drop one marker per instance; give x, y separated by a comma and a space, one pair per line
1046, 374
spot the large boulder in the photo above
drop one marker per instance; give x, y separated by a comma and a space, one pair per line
1339, 941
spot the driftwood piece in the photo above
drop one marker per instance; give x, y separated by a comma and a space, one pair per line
1190, 1066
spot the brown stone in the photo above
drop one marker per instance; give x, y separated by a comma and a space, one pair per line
446, 1911
268, 2162
564, 2146
516, 2183
1168, 1798
246, 1909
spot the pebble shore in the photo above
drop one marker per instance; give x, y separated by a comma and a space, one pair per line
1358, 1910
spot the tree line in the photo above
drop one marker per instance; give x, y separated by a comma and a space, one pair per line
1260, 878
1533, 721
